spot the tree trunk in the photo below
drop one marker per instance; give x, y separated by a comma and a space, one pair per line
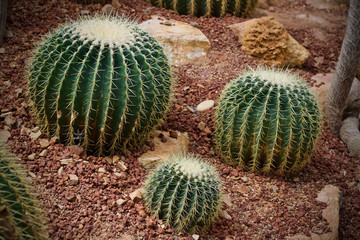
346, 69
2, 20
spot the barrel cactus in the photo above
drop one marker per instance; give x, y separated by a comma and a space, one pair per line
216, 8
267, 121
20, 215
99, 82
185, 193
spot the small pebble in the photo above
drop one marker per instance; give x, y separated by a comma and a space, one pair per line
43, 153
244, 179
32, 156
73, 179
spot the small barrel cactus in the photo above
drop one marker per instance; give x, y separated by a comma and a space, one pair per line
267, 121
99, 82
20, 214
216, 8
185, 193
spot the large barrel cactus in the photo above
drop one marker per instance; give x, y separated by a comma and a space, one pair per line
100, 82
216, 8
20, 214
185, 193
267, 121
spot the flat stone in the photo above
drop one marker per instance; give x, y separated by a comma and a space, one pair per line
136, 196
122, 166
182, 42
61, 169
120, 202
109, 160
205, 105
44, 143
43, 153
102, 170
35, 134
119, 174
195, 236
25, 130
53, 140
267, 40
66, 161
4, 136
163, 150
3, 115
33, 175
73, 179
244, 179
227, 200
32, 156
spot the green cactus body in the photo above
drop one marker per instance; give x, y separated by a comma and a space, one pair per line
216, 8
267, 121
20, 215
100, 82
185, 193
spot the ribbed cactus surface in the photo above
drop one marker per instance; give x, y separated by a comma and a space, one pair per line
20, 215
185, 193
99, 82
216, 8
267, 121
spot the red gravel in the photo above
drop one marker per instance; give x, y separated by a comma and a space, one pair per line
262, 208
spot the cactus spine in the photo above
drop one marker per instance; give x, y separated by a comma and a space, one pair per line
216, 8
100, 82
20, 215
185, 193
267, 121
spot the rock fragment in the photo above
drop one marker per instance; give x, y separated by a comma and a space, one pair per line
4, 136
203, 106
73, 179
182, 42
136, 196
120, 202
267, 40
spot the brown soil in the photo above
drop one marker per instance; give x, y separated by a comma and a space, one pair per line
262, 208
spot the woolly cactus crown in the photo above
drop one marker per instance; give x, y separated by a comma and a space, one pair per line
267, 121
105, 30
100, 82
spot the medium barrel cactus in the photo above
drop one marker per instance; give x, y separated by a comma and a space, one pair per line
185, 193
267, 121
99, 82
216, 8
20, 215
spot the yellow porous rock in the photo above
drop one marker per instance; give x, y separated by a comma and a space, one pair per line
267, 40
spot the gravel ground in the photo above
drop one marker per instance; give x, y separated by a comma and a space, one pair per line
260, 207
